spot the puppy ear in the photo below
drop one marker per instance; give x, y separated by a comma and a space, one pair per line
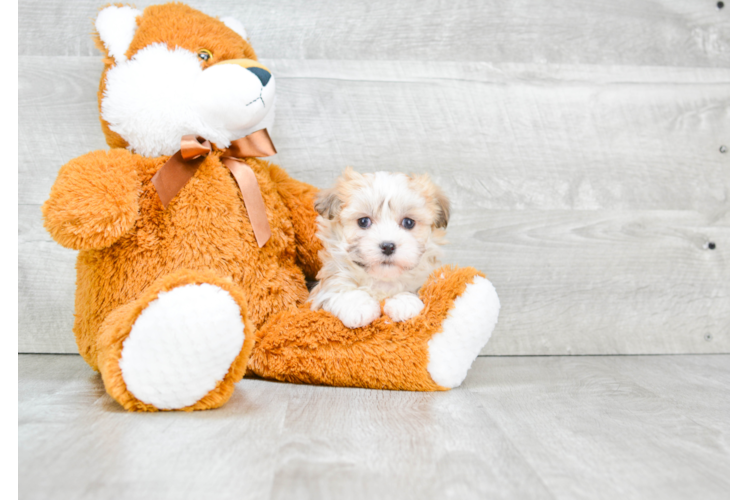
442, 205
327, 203
351, 175
115, 28
435, 197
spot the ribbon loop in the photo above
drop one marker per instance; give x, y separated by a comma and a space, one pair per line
183, 165
193, 146
253, 145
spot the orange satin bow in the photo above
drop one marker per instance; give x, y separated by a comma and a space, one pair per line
183, 165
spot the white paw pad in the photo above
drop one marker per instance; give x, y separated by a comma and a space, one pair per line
403, 306
464, 333
182, 345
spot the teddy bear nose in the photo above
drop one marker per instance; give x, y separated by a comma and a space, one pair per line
388, 248
262, 74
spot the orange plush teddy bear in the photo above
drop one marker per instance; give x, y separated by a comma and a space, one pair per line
194, 253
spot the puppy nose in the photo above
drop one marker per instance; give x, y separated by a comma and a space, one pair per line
388, 248
262, 74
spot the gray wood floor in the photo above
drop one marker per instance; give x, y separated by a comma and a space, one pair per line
519, 427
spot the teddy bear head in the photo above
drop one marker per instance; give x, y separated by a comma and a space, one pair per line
171, 70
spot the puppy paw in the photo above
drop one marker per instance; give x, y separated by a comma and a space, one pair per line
355, 309
403, 306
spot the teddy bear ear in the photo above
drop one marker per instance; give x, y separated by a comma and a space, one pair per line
116, 28
235, 25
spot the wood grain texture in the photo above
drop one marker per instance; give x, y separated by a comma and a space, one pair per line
525, 428
614, 427
396, 445
691, 33
121, 455
46, 292
739, 290
58, 119
515, 137
737, 33
509, 137
737, 153
601, 282
739, 422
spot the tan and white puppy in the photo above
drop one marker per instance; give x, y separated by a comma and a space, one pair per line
382, 234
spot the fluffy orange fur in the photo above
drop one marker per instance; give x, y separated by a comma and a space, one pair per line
205, 227
131, 248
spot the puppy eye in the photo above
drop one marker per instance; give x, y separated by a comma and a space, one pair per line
408, 223
205, 54
364, 222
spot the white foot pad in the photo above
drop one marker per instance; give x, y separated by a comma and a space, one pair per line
464, 333
182, 345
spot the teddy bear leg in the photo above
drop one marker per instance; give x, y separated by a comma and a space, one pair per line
182, 345
464, 332
432, 351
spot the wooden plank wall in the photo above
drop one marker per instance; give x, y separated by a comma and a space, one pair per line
737, 120
584, 146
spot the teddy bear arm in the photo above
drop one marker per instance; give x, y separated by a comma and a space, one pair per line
94, 200
299, 198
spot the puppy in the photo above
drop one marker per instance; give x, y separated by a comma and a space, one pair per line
381, 234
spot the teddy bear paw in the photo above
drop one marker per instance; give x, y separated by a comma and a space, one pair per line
182, 346
465, 331
403, 306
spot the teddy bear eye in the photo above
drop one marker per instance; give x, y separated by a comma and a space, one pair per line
205, 54
408, 223
364, 222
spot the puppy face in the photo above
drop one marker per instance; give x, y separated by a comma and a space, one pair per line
383, 223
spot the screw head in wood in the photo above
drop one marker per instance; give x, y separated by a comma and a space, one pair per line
708, 337
723, 149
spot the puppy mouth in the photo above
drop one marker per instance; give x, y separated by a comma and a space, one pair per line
390, 264
384, 263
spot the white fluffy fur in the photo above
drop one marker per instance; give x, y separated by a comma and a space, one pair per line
116, 27
355, 308
464, 333
356, 275
182, 345
158, 95
403, 306
235, 25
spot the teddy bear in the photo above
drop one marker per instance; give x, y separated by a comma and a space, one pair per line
194, 252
